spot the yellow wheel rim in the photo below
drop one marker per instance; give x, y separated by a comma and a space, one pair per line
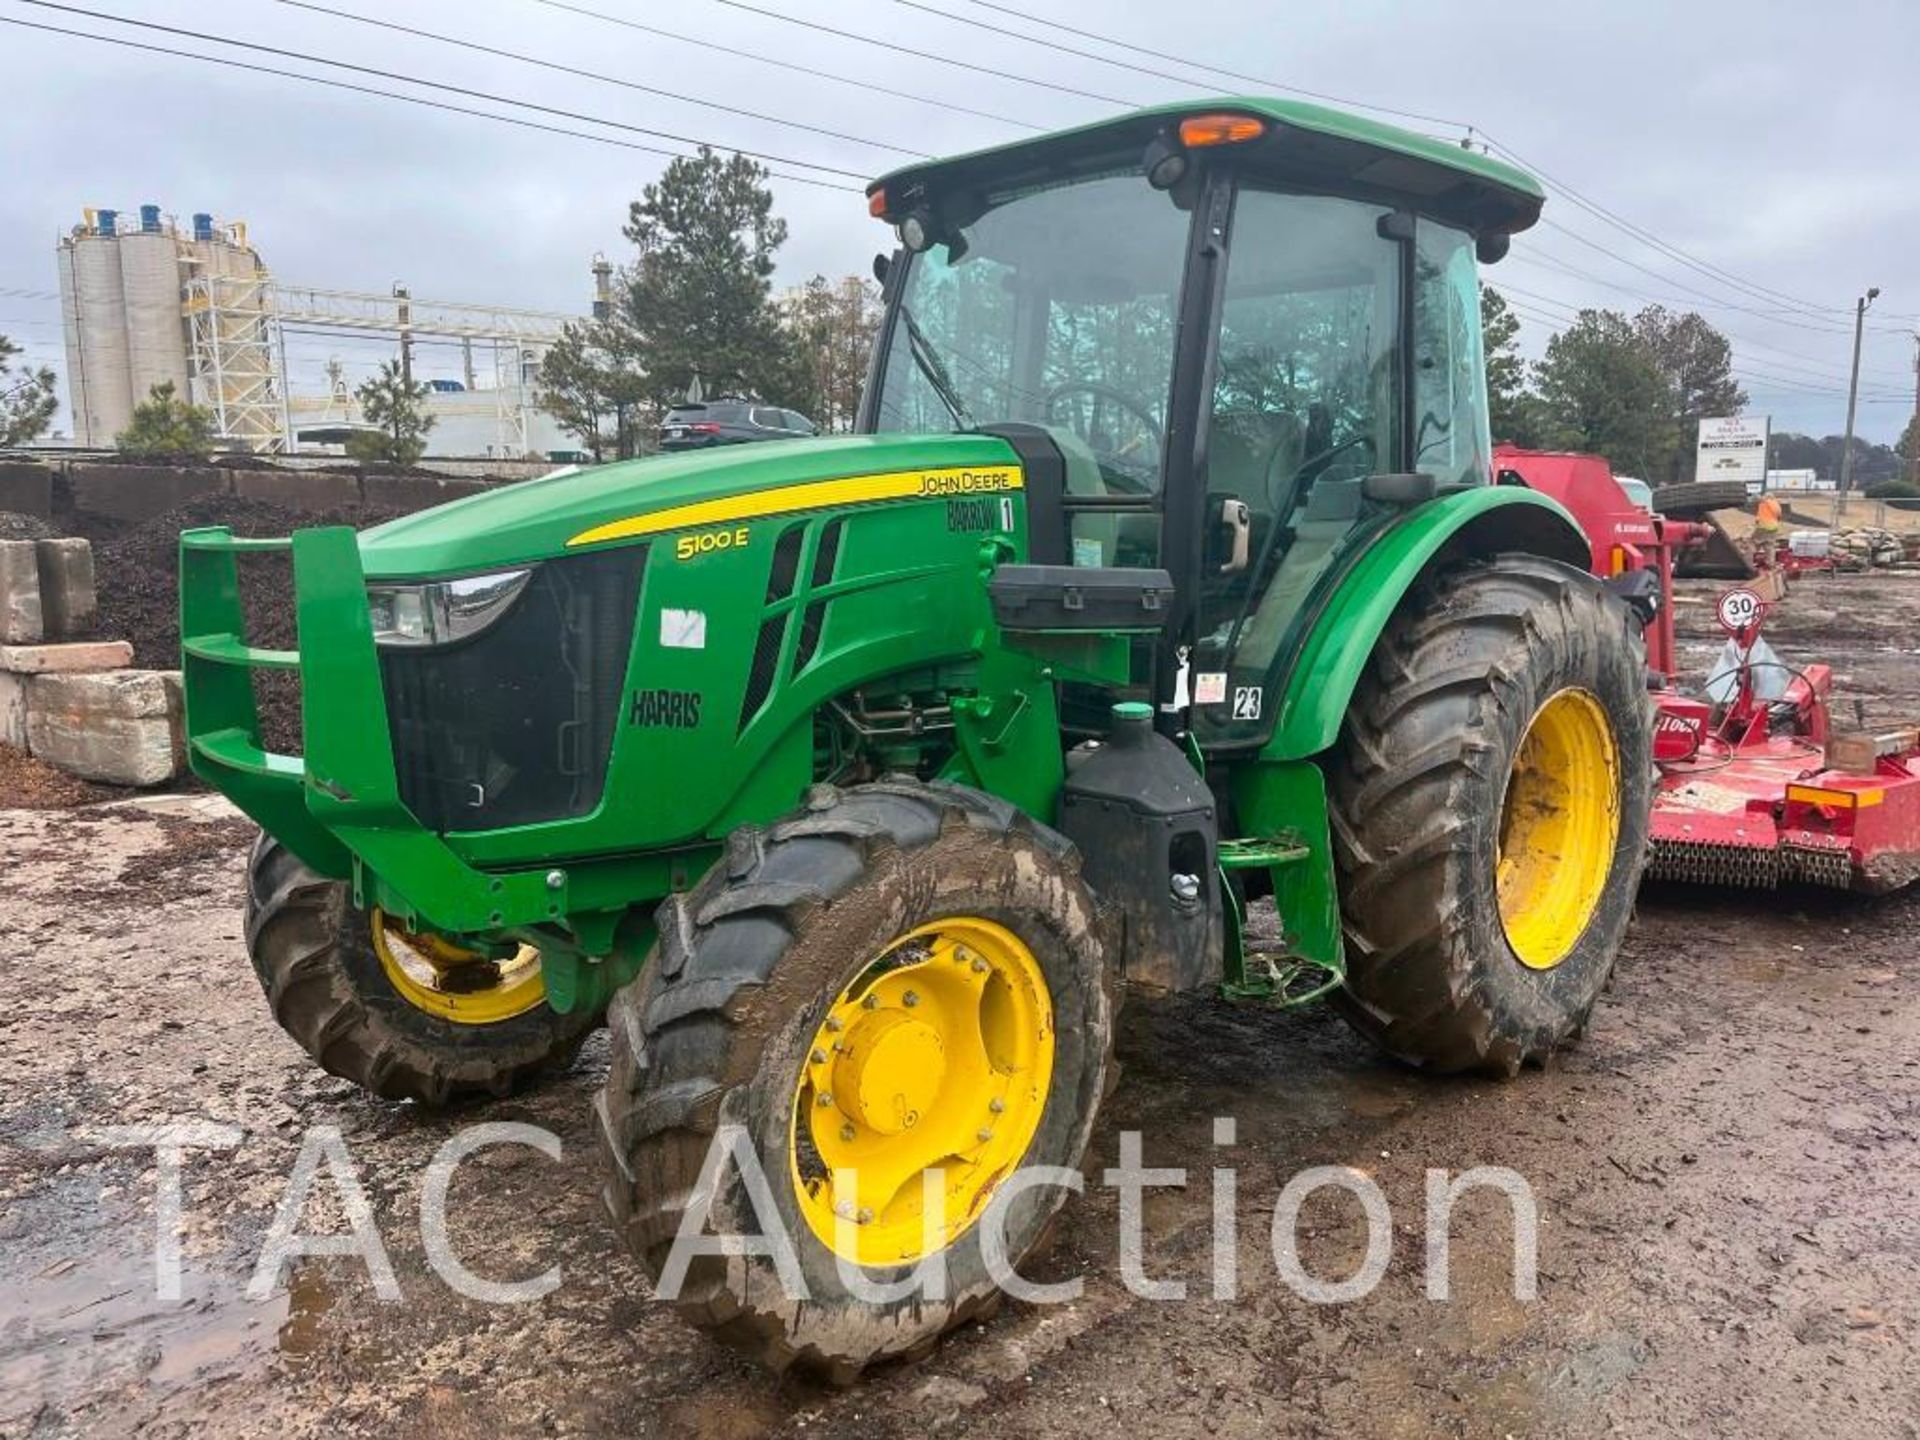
1558, 828
451, 982
937, 1058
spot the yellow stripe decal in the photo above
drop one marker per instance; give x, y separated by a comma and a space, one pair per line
814, 495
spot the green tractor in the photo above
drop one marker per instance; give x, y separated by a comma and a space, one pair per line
852, 780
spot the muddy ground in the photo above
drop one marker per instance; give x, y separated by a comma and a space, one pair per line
1727, 1174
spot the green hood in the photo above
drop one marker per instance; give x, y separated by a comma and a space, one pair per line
538, 519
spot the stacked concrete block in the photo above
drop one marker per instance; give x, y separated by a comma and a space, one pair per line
122, 727
19, 664
46, 591
21, 618
69, 700
13, 710
69, 604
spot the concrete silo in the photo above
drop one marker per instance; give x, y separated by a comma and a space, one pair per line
145, 303
150, 279
94, 314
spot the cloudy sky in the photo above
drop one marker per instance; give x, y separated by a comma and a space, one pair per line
1753, 159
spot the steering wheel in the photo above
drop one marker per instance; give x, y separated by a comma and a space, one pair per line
1120, 400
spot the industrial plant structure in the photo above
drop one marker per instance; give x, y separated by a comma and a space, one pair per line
146, 303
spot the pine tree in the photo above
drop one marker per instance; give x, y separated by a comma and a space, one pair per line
389, 402
166, 427
27, 401
698, 297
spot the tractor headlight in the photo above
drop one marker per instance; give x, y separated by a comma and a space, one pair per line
442, 611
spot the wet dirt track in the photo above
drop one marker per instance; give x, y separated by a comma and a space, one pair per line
1727, 1174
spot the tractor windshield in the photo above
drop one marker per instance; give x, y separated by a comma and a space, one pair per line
1058, 308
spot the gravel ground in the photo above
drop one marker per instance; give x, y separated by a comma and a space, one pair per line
1727, 1174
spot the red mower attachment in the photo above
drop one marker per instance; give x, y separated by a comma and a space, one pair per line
1754, 788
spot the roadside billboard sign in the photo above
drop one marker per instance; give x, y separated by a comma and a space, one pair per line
1733, 447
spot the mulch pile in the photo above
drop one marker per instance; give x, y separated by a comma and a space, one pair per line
30, 784
137, 574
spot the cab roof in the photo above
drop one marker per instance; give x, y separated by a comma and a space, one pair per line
1302, 143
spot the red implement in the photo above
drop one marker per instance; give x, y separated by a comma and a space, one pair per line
1754, 788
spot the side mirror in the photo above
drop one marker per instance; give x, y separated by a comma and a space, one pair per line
882, 263
1407, 488
1491, 249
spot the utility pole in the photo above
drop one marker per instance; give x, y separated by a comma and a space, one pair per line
1913, 460
405, 317
602, 288
1853, 400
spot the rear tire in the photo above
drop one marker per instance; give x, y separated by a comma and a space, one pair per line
313, 953
1700, 497
720, 1028
1418, 791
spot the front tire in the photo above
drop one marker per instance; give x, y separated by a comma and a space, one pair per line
339, 990
864, 921
1490, 799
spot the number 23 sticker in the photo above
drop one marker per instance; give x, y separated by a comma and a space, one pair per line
1246, 702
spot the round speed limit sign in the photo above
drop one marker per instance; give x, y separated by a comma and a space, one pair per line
1740, 610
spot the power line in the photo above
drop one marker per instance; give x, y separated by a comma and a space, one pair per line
436, 85
1772, 316
1646, 237
1740, 369
925, 54
1161, 55
1507, 286
421, 100
866, 86
555, 65
1051, 45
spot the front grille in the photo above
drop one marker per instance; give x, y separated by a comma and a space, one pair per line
516, 724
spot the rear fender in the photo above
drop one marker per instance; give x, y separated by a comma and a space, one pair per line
1482, 521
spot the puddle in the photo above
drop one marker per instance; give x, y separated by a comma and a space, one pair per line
1764, 969
1379, 1094
79, 1330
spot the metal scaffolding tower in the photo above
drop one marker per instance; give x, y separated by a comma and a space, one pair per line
238, 359
238, 325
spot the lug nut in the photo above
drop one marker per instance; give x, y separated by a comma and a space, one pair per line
996, 1105
979, 966
819, 1057
985, 1134
865, 1217
846, 1132
872, 1002
833, 1022
909, 999
825, 1100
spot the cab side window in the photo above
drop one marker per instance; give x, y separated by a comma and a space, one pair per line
1451, 440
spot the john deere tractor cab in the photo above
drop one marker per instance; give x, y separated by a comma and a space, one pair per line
862, 774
